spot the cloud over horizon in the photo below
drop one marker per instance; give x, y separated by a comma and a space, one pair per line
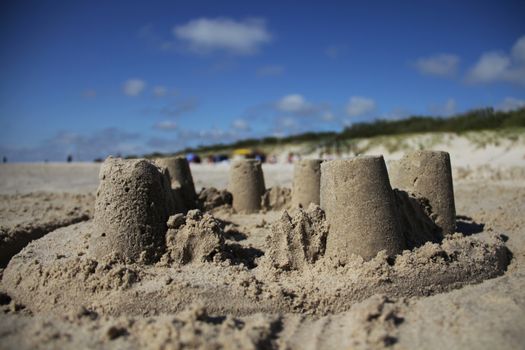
241, 125
358, 106
166, 125
498, 66
510, 104
441, 65
160, 91
294, 103
239, 37
445, 109
133, 87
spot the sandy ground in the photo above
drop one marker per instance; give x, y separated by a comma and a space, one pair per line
83, 177
486, 315
26, 217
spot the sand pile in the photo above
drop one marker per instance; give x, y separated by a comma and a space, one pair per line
415, 219
276, 198
211, 198
298, 240
192, 238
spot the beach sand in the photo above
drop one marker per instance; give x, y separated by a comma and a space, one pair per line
247, 284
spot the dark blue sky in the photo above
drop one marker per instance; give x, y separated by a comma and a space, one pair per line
98, 77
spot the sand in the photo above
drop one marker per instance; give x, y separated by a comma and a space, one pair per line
239, 280
133, 204
360, 208
246, 184
26, 217
306, 182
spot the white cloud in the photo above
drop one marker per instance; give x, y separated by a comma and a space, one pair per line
159, 91
292, 103
510, 104
270, 70
288, 122
241, 124
175, 108
133, 87
238, 37
190, 138
446, 109
358, 106
443, 65
518, 50
166, 125
292, 113
450, 107
490, 67
328, 116
495, 66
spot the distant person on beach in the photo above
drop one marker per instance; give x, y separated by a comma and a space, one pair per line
4, 159
69, 158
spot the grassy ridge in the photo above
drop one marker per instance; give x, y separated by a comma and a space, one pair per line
479, 119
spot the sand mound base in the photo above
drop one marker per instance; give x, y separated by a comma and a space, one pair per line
57, 273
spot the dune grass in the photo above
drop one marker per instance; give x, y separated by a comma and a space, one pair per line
510, 124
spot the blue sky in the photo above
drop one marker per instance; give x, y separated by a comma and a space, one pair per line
90, 78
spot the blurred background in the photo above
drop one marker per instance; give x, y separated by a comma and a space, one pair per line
81, 80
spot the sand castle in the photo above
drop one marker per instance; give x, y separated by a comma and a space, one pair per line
132, 207
428, 174
181, 181
306, 182
140, 255
360, 208
364, 214
246, 184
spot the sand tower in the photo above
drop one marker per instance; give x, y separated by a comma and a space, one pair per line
246, 185
306, 182
181, 180
428, 174
131, 210
360, 208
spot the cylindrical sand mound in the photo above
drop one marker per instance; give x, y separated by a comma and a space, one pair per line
306, 183
428, 174
132, 206
180, 176
246, 185
360, 208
